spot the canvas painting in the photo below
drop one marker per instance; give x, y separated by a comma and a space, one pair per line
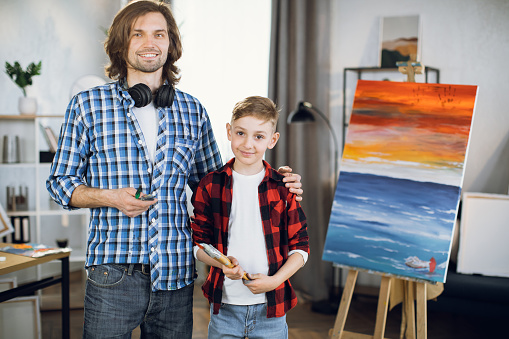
399, 37
5, 223
398, 192
483, 243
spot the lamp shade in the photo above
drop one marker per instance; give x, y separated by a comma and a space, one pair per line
302, 114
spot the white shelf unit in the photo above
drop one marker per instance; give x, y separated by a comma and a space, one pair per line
48, 221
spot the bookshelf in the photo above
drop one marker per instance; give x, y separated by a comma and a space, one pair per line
47, 220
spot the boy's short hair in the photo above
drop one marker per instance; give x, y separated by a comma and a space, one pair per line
259, 107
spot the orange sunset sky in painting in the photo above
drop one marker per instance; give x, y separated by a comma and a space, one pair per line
407, 130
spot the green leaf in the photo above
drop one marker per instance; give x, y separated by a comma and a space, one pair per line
19, 76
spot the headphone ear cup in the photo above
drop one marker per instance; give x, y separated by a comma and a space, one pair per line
141, 94
164, 96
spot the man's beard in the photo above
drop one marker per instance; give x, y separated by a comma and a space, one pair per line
147, 67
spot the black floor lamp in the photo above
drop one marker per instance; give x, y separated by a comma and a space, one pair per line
306, 113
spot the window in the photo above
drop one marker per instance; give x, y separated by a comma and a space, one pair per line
225, 55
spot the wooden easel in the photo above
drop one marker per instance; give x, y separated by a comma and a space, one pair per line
410, 68
408, 328
408, 321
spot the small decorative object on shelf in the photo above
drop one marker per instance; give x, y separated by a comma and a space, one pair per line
17, 202
23, 78
46, 156
62, 243
11, 149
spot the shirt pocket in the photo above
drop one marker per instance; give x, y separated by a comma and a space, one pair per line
278, 213
183, 154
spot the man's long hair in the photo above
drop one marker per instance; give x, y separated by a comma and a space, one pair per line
117, 42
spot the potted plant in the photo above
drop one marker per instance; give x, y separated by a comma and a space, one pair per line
23, 78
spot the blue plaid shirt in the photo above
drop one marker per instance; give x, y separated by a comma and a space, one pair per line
101, 145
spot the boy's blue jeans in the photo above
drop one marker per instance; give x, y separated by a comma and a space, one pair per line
240, 321
119, 298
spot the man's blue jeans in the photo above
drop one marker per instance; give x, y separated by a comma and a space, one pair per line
118, 299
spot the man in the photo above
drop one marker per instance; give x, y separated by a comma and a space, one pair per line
116, 139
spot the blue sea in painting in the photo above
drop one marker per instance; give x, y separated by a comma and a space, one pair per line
378, 222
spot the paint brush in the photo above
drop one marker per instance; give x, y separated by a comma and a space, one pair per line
214, 253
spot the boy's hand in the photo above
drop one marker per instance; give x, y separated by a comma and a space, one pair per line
234, 273
292, 181
261, 283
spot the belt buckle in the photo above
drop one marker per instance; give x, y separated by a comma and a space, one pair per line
143, 269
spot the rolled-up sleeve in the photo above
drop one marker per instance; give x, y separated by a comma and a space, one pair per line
202, 224
297, 226
69, 166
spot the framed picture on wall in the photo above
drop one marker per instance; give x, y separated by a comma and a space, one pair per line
399, 40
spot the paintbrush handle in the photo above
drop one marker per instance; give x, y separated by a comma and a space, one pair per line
219, 257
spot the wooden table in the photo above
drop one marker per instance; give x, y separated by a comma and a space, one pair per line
15, 262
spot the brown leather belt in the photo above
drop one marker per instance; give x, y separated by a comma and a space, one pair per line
143, 268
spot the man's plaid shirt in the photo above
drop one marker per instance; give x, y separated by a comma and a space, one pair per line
284, 227
101, 145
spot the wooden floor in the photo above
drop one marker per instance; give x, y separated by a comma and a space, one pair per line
302, 321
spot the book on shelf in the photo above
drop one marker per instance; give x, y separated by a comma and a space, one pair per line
33, 250
50, 137
21, 225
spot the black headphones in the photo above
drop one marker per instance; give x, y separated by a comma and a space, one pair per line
142, 95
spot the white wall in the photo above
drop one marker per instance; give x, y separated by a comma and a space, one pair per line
468, 40
67, 35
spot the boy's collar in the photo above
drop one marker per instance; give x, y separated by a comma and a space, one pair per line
269, 171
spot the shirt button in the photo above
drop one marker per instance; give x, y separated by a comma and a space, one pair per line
153, 220
128, 115
139, 141
152, 249
149, 170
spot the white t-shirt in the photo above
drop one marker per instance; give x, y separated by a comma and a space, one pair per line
246, 240
147, 118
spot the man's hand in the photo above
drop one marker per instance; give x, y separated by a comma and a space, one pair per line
125, 201
122, 198
292, 181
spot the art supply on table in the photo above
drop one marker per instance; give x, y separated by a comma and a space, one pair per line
214, 253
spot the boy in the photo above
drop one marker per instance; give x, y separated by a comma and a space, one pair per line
245, 211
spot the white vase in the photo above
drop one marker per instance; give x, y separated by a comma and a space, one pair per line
27, 105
